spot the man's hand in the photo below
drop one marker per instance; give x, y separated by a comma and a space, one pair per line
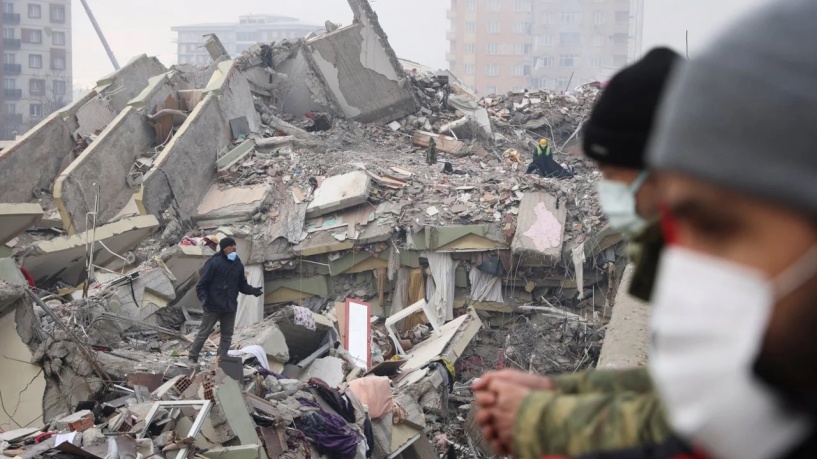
529, 380
257, 292
497, 407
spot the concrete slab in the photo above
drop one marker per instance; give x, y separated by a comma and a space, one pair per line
326, 242
229, 397
231, 205
268, 336
340, 192
328, 370
627, 337
105, 163
361, 70
234, 95
308, 287
64, 257
443, 143
539, 230
15, 219
235, 452
22, 384
9, 272
459, 238
235, 155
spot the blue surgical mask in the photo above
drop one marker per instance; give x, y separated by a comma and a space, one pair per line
232, 256
618, 202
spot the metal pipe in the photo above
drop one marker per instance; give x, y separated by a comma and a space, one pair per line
101, 36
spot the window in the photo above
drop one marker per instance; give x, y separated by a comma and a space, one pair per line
522, 6
58, 38
35, 11
518, 70
621, 38
57, 13
521, 48
36, 87
490, 90
470, 48
544, 40
517, 89
58, 62
8, 33
35, 110
32, 36
569, 39
470, 26
620, 60
494, 5
594, 62
622, 17
59, 87
561, 84
11, 109
8, 8
492, 48
471, 5
521, 27
492, 70
598, 40
470, 69
35, 61
569, 17
544, 62
598, 18
568, 60
547, 18
9, 83
493, 27
8, 58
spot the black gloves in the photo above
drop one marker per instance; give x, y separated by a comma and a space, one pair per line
257, 292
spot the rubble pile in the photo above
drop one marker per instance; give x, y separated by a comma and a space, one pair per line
401, 249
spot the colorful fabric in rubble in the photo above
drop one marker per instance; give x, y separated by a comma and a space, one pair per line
329, 432
590, 412
333, 398
304, 318
447, 368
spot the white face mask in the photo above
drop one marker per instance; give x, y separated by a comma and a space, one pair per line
708, 324
618, 202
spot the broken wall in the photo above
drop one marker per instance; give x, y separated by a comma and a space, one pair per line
105, 163
184, 172
362, 71
305, 91
234, 96
39, 155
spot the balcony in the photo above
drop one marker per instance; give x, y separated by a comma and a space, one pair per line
451, 35
10, 18
12, 69
451, 14
451, 57
13, 94
11, 43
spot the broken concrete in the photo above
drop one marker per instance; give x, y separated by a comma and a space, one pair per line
224, 207
16, 218
103, 164
361, 70
340, 192
234, 95
540, 229
22, 387
64, 257
627, 338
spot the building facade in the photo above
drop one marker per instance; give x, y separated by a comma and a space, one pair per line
36, 70
498, 46
237, 37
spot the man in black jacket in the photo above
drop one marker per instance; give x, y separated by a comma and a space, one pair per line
223, 279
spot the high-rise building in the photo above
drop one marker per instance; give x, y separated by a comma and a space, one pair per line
237, 36
506, 45
36, 70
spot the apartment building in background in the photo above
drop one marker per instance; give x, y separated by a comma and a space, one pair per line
36, 70
498, 46
237, 36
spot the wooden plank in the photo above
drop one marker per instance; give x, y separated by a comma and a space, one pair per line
444, 143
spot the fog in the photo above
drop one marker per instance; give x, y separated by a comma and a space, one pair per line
416, 29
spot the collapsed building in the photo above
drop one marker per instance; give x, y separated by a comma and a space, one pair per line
391, 278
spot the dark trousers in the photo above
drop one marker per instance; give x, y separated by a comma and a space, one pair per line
226, 321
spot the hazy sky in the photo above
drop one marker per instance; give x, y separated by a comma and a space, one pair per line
416, 28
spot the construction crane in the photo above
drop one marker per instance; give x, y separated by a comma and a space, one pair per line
101, 36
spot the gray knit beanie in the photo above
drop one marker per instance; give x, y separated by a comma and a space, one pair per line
743, 115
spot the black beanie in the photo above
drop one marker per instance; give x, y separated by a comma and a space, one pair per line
622, 120
226, 242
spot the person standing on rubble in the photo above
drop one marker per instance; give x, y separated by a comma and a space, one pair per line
218, 288
544, 163
624, 408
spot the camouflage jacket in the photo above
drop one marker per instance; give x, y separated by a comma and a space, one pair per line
645, 253
588, 412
